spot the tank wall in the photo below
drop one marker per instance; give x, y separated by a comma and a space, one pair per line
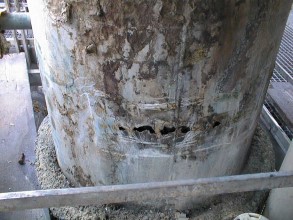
141, 91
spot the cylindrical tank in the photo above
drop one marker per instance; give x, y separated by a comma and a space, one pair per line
153, 90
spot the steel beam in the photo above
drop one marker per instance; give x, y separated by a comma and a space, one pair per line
99, 195
15, 21
275, 129
23, 38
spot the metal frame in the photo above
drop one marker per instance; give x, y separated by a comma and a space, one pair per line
100, 195
22, 22
23, 38
14, 34
275, 129
283, 72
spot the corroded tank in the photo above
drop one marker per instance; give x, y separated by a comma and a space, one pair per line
154, 90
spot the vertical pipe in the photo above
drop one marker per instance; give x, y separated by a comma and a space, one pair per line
23, 38
14, 34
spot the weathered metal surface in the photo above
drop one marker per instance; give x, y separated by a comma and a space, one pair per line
275, 129
13, 21
155, 90
283, 105
100, 195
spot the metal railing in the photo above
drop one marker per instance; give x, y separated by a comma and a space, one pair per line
100, 195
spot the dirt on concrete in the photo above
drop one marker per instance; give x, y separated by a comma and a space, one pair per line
225, 207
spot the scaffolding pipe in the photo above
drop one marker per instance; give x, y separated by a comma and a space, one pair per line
15, 21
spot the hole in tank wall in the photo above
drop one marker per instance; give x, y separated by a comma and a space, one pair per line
144, 128
184, 129
167, 130
216, 124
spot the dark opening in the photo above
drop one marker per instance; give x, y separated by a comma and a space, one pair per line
185, 129
216, 123
145, 128
122, 129
101, 13
167, 130
183, 157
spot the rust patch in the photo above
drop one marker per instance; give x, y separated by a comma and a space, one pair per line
195, 56
60, 11
171, 21
81, 177
150, 70
132, 16
110, 82
209, 74
138, 40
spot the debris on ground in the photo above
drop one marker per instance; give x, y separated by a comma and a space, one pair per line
21, 160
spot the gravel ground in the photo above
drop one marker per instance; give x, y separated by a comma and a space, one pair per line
226, 207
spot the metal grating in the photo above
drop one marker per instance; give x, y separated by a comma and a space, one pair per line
23, 7
285, 61
278, 119
8, 34
277, 77
285, 54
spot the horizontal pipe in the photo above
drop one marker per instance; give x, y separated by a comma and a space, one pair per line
15, 21
99, 195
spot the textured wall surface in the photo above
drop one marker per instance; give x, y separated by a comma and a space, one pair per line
154, 90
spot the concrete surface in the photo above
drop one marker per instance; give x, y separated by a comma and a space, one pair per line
17, 134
